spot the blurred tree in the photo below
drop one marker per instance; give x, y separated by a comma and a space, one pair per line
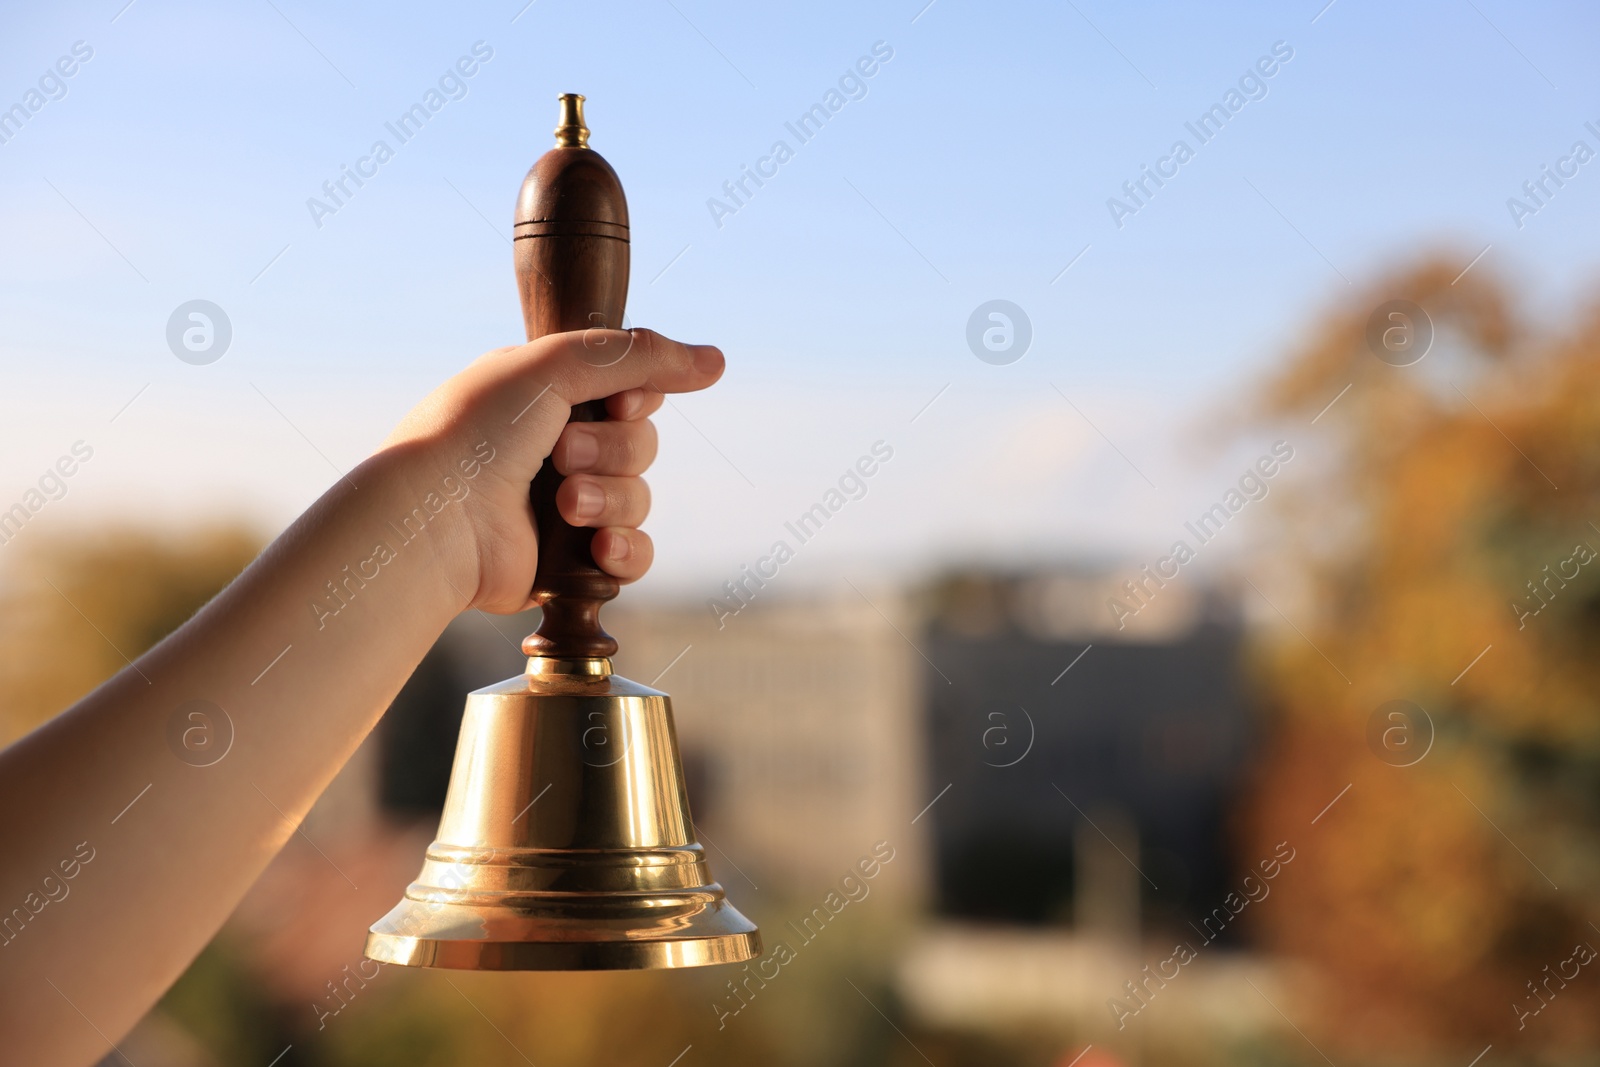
72, 608
1427, 896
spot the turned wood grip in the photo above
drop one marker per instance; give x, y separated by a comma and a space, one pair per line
571, 252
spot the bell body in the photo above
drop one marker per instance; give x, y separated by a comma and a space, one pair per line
566, 841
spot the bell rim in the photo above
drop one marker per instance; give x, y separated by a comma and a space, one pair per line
417, 934
568, 955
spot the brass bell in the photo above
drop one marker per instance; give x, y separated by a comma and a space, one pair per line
566, 841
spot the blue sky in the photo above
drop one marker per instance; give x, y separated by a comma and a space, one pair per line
977, 166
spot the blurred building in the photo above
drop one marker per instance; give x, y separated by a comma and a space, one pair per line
1084, 771
801, 731
1087, 769
1030, 762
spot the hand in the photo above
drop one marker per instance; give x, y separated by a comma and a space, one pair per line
511, 405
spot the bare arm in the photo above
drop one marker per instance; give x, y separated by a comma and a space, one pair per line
304, 651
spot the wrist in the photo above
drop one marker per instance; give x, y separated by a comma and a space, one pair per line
419, 516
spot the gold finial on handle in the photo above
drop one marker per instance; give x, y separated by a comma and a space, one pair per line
572, 133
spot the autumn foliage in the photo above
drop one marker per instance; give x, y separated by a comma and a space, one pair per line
1435, 554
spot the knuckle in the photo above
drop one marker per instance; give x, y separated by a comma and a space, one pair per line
646, 338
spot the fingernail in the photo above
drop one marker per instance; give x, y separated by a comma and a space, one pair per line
707, 360
591, 500
620, 549
583, 448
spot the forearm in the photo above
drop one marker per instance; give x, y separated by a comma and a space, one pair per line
303, 653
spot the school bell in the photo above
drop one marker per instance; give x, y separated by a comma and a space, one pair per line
566, 841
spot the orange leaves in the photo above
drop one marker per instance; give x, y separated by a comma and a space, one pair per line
1426, 892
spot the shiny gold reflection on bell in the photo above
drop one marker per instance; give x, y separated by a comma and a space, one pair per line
566, 841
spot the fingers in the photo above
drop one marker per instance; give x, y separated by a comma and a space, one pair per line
601, 500
633, 404
622, 552
590, 364
617, 448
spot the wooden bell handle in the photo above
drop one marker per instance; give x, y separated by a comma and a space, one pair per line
571, 251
